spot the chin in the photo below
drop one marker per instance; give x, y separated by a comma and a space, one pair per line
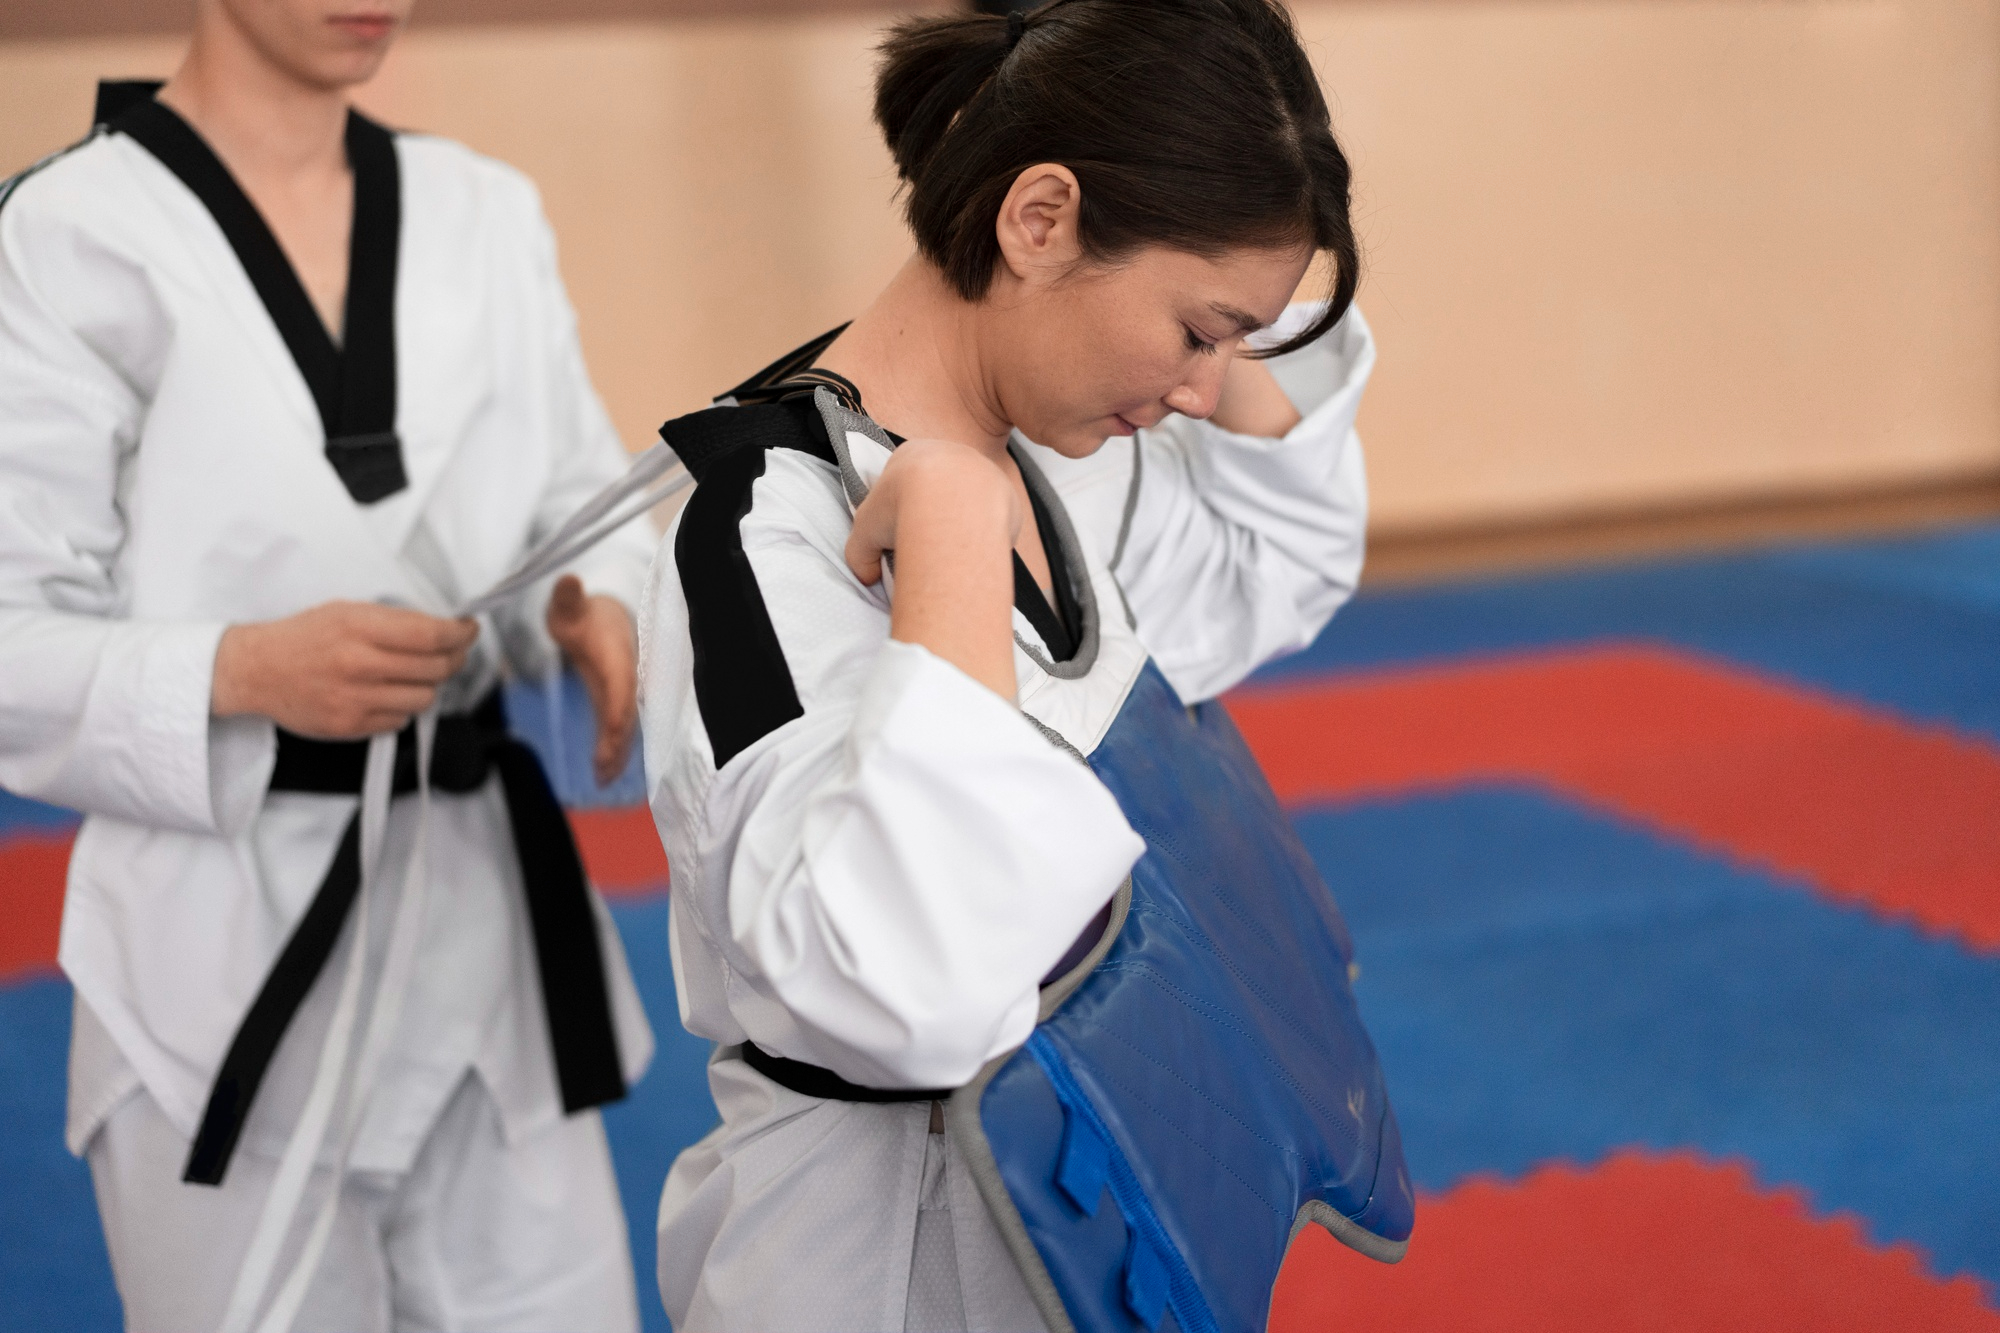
1079, 443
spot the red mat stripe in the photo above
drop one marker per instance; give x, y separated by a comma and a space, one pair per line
31, 884
1641, 1242
1866, 807
620, 851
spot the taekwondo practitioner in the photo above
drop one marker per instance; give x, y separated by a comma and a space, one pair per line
280, 389
880, 637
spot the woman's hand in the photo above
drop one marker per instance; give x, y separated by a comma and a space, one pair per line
951, 515
341, 671
595, 633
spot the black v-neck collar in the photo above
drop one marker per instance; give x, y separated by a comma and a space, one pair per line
353, 384
1056, 624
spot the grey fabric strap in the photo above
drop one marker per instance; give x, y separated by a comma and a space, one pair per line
1085, 657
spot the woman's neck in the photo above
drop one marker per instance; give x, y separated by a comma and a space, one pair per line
915, 355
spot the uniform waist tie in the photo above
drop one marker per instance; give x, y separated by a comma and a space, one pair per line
468, 748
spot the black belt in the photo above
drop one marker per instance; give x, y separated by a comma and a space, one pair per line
814, 1081
468, 749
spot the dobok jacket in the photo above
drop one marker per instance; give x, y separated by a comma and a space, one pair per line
166, 470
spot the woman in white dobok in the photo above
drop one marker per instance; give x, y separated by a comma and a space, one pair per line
847, 703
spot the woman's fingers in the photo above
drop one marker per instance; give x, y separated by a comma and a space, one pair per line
595, 633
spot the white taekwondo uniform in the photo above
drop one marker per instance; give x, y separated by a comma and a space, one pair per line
883, 871
164, 473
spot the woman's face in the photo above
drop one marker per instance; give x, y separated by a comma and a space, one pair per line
1107, 349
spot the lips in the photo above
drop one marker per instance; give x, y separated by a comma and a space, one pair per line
366, 27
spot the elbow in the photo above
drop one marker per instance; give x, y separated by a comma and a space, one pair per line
909, 1039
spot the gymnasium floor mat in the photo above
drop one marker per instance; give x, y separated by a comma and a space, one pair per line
1676, 893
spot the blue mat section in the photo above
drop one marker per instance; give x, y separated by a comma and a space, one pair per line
18, 814
1546, 984
555, 718
54, 1273
669, 1109
1912, 624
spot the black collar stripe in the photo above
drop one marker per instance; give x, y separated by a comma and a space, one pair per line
1056, 624
354, 387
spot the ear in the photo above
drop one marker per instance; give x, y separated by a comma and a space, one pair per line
1037, 225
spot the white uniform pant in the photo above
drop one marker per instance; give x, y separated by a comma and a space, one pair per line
477, 1235
796, 1215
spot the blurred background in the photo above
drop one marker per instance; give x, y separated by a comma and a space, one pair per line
1658, 764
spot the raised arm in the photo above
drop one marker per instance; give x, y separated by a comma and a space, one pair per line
1235, 546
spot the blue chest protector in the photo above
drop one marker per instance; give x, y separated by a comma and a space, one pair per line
1206, 1088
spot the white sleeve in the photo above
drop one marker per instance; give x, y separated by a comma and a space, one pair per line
1238, 549
906, 860
103, 714
586, 454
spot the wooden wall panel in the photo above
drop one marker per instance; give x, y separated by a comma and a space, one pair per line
1641, 254
1624, 255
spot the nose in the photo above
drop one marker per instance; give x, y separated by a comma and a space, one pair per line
1197, 394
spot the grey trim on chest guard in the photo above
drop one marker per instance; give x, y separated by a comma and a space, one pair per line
839, 420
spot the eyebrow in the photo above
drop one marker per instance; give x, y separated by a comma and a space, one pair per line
1244, 323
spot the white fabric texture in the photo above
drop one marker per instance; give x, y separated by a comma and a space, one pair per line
878, 886
796, 1215
479, 1234
162, 475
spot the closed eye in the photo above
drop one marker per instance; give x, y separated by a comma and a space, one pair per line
1197, 343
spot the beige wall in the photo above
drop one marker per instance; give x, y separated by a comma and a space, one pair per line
1623, 255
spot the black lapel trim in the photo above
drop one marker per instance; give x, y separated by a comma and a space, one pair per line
365, 450
741, 681
117, 96
353, 387
699, 439
1059, 624
1030, 602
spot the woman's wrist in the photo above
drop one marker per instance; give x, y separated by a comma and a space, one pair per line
232, 687
1253, 403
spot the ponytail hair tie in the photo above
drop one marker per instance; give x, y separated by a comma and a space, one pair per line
1017, 23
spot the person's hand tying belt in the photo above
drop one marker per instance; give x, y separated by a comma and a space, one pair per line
340, 671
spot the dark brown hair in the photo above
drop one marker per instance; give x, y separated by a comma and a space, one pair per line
1193, 124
